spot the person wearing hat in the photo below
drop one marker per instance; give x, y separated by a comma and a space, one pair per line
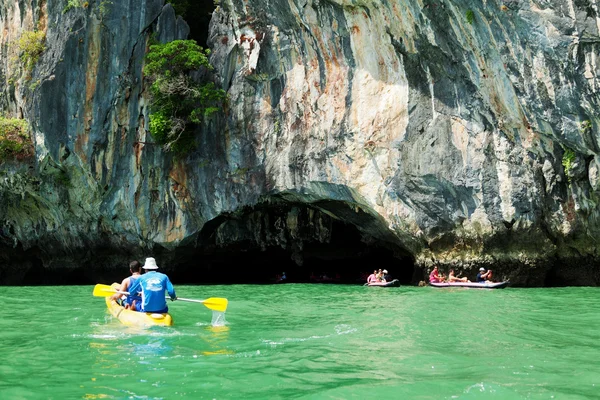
153, 285
386, 276
483, 276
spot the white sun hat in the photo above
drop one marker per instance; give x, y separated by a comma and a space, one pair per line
150, 263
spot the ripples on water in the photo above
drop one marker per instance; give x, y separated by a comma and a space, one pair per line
307, 341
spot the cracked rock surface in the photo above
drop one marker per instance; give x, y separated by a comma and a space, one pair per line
463, 132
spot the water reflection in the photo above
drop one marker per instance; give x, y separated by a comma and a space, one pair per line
216, 339
148, 351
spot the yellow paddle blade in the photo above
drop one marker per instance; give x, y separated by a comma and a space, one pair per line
216, 303
101, 290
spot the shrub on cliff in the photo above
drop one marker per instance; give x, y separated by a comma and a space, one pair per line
567, 162
15, 142
470, 15
179, 103
30, 46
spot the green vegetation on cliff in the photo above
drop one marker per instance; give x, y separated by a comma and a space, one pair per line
470, 15
30, 47
72, 4
567, 161
15, 142
179, 103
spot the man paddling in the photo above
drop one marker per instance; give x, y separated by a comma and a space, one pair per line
153, 285
484, 276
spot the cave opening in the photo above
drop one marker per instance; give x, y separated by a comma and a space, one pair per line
38, 275
197, 15
325, 243
28, 269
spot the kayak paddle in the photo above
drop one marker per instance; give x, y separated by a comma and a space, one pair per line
213, 303
105, 290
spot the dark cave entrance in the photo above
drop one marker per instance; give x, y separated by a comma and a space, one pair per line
197, 15
323, 242
328, 242
26, 268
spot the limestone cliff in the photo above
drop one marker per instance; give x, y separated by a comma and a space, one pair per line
462, 132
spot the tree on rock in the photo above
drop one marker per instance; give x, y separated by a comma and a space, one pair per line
179, 103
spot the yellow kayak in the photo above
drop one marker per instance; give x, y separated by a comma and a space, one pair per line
135, 318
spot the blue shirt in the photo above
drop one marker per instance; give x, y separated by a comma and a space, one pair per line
153, 285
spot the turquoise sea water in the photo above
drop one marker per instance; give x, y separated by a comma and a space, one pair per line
307, 342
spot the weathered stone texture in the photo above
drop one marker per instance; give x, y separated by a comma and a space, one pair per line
444, 121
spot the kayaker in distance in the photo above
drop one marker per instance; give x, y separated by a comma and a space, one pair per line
483, 276
373, 277
435, 276
136, 271
452, 278
153, 286
280, 278
386, 276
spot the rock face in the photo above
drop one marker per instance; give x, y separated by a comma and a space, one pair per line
463, 132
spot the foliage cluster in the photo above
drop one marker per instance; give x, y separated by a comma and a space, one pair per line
470, 15
15, 142
586, 127
71, 4
30, 47
179, 103
567, 161
104, 7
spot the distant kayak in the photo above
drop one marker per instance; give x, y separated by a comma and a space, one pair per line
495, 285
394, 283
135, 318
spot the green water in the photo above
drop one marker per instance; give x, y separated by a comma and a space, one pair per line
308, 342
